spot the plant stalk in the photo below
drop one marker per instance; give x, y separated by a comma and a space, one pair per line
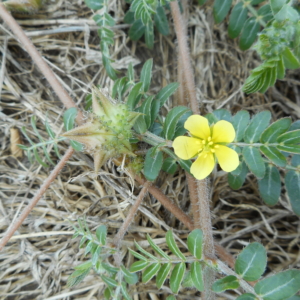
14, 227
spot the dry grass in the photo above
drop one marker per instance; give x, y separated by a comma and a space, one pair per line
38, 260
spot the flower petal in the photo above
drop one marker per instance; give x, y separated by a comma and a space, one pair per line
223, 132
186, 147
227, 158
203, 165
198, 126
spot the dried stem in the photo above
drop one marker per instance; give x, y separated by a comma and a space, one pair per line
130, 217
11, 230
167, 203
37, 58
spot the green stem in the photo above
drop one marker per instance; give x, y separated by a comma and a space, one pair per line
255, 14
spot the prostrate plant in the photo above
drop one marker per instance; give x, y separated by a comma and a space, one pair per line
116, 128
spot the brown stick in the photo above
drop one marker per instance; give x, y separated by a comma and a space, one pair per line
184, 56
168, 204
37, 58
131, 213
11, 230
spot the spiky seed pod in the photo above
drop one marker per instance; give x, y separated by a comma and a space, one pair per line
107, 130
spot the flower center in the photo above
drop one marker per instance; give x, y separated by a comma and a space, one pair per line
208, 146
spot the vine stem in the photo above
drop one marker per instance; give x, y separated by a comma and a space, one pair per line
199, 193
14, 227
130, 217
40, 62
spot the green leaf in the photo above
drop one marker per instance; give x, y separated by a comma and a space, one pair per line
221, 9
146, 75
173, 246
270, 185
172, 297
77, 276
274, 155
195, 243
266, 12
69, 119
137, 255
145, 252
125, 292
161, 21
140, 124
227, 283
287, 13
153, 164
107, 293
166, 92
185, 164
240, 121
180, 130
149, 34
162, 274
201, 2
289, 148
139, 265
247, 296
295, 160
156, 248
236, 181
255, 2
130, 278
292, 183
280, 68
169, 165
289, 59
129, 17
196, 275
94, 4
277, 5
249, 33
290, 138
109, 281
256, 127
237, 19
150, 272
222, 114
279, 286
134, 96
176, 277
254, 161
171, 121
251, 262
146, 110
101, 233
277, 128
137, 30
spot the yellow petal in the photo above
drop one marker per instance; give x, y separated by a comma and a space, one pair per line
227, 158
198, 126
223, 132
186, 147
203, 165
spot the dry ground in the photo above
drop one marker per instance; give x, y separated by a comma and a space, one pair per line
38, 260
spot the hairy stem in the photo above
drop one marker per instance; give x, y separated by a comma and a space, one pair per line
130, 217
184, 57
11, 230
37, 58
167, 203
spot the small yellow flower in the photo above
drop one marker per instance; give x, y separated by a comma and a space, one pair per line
208, 144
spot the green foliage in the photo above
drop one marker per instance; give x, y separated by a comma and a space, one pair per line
251, 262
144, 15
153, 164
226, 283
104, 21
161, 266
279, 286
32, 151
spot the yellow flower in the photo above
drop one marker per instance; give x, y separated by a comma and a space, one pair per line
208, 144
